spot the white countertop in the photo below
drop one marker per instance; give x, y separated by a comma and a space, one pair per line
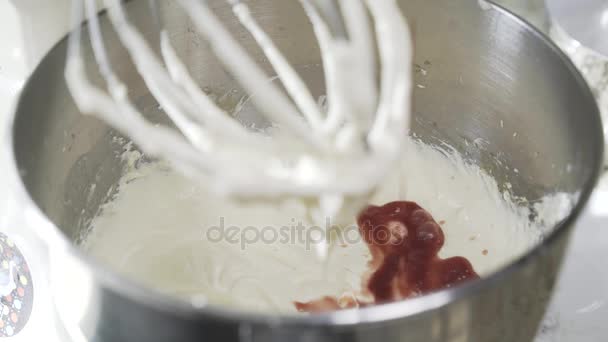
579, 307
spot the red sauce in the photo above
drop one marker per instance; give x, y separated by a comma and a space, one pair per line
404, 241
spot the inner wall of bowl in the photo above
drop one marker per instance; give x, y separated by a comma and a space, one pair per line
484, 84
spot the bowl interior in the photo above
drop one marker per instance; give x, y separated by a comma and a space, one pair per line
486, 84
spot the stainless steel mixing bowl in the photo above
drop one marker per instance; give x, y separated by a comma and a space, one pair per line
485, 75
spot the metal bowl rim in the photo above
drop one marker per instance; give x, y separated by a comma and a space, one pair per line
385, 312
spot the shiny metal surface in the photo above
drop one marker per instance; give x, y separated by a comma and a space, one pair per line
481, 68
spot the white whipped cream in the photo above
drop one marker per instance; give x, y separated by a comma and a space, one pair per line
156, 231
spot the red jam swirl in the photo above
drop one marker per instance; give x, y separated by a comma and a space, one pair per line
404, 241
